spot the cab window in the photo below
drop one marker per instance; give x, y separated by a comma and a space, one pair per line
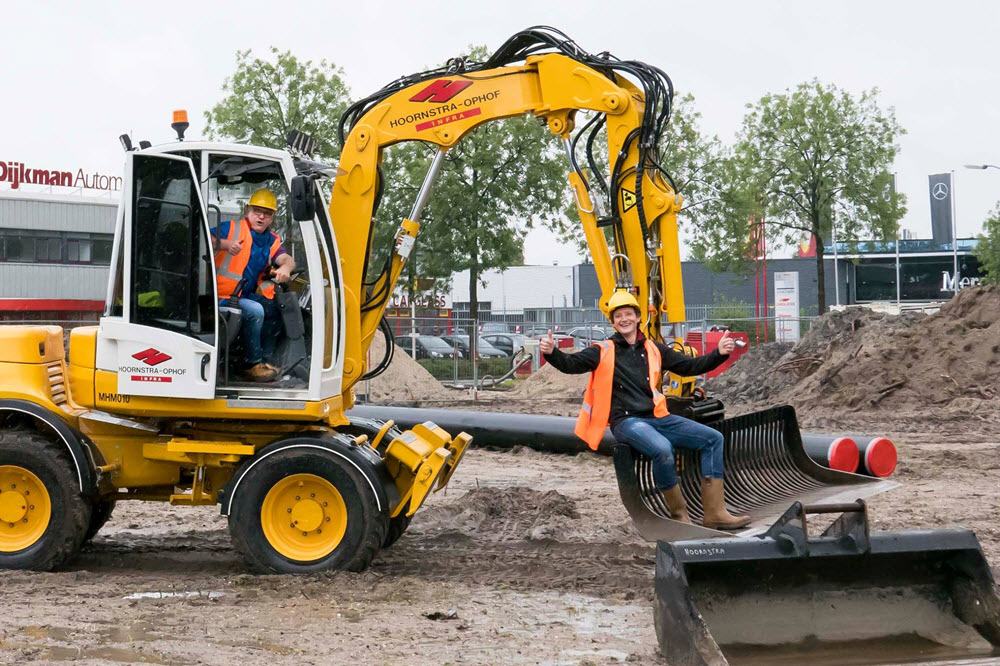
231, 181
172, 275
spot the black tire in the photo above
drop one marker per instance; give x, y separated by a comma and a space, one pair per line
397, 526
366, 524
100, 513
49, 460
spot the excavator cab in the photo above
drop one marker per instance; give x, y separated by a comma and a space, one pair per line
166, 332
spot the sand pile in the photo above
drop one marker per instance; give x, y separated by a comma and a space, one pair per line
548, 383
404, 380
858, 359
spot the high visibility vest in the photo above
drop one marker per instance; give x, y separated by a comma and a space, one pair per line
596, 409
229, 268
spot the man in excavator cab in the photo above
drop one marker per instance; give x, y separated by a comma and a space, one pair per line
245, 251
624, 388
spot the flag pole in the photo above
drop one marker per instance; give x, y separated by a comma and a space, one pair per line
836, 272
954, 233
898, 286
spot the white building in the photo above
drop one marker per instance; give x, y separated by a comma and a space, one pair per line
517, 288
55, 250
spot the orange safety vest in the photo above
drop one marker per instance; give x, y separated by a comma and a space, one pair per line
596, 409
229, 268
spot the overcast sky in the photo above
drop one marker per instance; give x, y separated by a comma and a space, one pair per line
75, 76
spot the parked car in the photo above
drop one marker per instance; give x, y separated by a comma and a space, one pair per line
485, 349
541, 330
584, 335
497, 327
428, 346
508, 343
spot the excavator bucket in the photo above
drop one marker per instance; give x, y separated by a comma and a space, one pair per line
847, 596
767, 468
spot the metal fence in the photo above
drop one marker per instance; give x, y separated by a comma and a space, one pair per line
441, 345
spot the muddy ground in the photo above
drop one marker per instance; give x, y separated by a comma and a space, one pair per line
528, 558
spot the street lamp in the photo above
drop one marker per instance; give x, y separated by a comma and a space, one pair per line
982, 166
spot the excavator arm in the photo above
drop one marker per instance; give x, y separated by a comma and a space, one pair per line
443, 106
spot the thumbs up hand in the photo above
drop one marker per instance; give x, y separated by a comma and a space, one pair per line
726, 344
547, 344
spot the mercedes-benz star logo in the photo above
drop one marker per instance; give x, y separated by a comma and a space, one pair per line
940, 191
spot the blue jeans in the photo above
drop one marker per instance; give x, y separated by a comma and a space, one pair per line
656, 438
260, 327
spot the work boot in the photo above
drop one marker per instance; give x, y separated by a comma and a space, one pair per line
716, 515
676, 504
276, 369
261, 373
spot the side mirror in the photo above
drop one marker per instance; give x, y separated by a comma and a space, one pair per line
302, 201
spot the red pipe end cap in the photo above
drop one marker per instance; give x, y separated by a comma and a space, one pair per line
843, 455
880, 457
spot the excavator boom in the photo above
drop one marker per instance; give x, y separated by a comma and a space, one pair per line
442, 107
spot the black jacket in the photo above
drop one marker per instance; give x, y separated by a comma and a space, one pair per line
630, 394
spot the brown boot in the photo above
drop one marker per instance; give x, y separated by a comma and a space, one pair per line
676, 504
260, 373
716, 515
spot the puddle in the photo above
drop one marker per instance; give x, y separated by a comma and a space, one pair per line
120, 655
192, 594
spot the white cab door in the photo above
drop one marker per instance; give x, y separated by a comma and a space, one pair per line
161, 335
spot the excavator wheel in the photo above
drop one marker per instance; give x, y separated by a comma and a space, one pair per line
43, 516
100, 513
306, 511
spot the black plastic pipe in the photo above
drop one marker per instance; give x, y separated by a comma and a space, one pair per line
877, 456
542, 433
833, 451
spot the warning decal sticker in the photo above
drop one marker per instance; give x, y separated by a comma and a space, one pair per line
628, 200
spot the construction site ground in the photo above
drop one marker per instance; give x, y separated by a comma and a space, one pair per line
528, 557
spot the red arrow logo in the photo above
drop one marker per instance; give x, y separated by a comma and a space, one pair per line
151, 356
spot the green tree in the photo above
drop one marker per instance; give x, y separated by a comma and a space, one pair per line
495, 185
804, 160
988, 248
267, 98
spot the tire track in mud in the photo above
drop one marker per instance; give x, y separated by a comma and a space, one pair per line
525, 539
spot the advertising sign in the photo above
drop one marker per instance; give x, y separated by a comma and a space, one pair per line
940, 190
18, 173
786, 306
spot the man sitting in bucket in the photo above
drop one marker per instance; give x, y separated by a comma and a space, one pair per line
626, 373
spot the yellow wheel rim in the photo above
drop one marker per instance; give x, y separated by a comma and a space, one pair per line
304, 517
25, 508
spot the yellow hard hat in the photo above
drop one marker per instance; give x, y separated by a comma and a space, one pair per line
264, 199
621, 299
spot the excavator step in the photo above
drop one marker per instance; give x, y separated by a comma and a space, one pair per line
767, 469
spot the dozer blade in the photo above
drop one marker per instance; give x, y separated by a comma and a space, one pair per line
767, 468
846, 596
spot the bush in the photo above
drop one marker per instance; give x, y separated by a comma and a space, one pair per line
444, 369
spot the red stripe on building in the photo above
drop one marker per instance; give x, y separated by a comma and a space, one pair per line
50, 305
450, 118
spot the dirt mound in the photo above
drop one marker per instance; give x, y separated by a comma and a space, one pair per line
859, 359
499, 514
743, 383
549, 383
404, 380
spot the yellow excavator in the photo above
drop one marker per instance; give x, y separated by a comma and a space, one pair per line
148, 404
